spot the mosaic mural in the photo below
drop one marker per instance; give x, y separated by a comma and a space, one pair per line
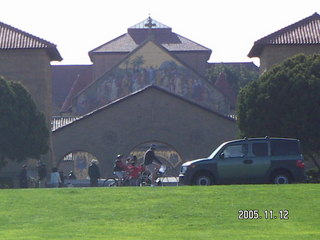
137, 73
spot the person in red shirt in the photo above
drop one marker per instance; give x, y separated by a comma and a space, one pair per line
134, 171
120, 168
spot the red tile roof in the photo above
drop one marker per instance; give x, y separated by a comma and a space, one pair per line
13, 38
303, 32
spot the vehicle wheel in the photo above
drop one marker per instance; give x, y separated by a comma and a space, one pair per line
110, 182
203, 179
281, 178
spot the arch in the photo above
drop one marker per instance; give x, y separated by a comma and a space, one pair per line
165, 152
77, 162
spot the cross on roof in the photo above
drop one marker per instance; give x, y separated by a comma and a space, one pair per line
150, 24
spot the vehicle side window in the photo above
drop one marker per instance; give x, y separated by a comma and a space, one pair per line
260, 149
239, 150
279, 148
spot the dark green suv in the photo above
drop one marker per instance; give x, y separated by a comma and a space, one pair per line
253, 160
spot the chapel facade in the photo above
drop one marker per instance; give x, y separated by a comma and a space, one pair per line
148, 60
149, 53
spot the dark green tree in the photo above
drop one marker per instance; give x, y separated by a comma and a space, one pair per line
284, 102
238, 75
23, 129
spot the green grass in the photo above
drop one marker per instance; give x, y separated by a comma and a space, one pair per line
160, 213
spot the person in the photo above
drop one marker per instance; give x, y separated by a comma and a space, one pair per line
62, 177
42, 174
133, 171
152, 163
119, 168
94, 173
23, 177
55, 179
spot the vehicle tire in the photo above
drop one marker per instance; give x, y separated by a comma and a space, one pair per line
110, 182
281, 177
203, 179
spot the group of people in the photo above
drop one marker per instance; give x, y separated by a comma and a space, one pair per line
121, 169
56, 178
129, 169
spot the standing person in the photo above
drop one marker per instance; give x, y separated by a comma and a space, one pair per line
55, 179
152, 163
94, 173
42, 174
23, 177
61, 173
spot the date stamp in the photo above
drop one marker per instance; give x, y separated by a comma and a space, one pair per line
255, 214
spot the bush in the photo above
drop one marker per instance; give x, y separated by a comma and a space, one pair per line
313, 175
6, 182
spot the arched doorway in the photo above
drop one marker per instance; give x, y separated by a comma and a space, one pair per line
77, 162
166, 154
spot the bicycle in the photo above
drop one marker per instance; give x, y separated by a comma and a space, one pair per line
116, 182
144, 178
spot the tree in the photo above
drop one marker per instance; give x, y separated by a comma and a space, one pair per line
229, 78
23, 129
285, 102
238, 75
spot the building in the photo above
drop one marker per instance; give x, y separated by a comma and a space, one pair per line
107, 57
27, 59
145, 86
300, 37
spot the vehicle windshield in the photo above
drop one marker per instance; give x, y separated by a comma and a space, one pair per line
216, 151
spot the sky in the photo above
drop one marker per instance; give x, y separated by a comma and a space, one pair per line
228, 27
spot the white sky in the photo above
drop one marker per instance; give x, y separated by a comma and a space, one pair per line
228, 27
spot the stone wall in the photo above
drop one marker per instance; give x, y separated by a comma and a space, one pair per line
150, 115
276, 54
32, 69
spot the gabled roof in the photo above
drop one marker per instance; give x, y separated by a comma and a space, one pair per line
132, 54
303, 32
13, 38
140, 92
138, 33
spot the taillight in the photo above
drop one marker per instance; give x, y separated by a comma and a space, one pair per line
300, 163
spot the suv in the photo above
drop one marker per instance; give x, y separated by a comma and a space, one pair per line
254, 160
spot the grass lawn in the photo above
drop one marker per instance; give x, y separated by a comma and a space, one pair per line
160, 213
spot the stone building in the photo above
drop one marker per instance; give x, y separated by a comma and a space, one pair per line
26, 59
300, 37
114, 55
145, 86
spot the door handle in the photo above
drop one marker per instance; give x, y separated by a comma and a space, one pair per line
247, 161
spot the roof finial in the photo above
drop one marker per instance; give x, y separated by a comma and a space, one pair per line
150, 24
